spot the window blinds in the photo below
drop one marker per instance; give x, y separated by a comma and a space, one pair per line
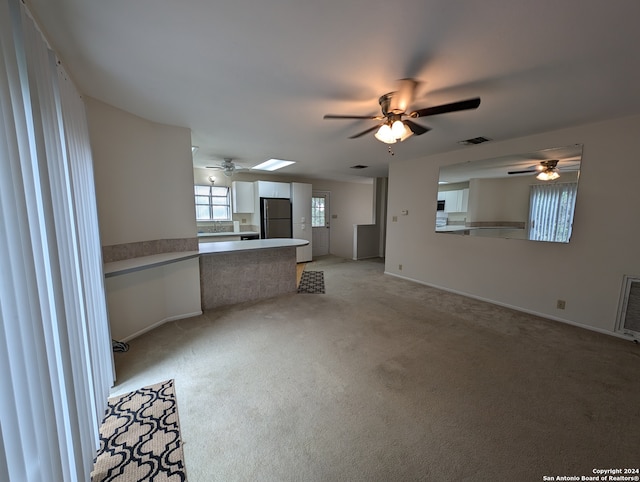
551, 210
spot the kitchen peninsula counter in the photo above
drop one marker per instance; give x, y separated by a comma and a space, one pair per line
250, 245
125, 266
241, 271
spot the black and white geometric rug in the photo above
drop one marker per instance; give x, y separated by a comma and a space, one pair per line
311, 282
140, 438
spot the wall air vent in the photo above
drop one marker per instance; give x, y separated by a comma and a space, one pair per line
474, 141
359, 166
629, 309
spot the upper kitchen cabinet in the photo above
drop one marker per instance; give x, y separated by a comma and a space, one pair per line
243, 197
273, 189
455, 201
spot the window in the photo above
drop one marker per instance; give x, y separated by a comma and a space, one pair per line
551, 211
213, 203
317, 212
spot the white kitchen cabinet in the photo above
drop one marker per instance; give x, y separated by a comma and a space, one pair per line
301, 202
273, 189
243, 198
301, 218
465, 200
451, 204
455, 201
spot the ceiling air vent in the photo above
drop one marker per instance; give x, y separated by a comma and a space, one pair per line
359, 166
474, 140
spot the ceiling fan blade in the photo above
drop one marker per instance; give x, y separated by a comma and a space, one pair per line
365, 132
334, 116
444, 108
417, 129
522, 172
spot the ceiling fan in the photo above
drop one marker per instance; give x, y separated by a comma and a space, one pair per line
547, 170
227, 166
396, 122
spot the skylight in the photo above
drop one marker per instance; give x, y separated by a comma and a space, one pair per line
272, 165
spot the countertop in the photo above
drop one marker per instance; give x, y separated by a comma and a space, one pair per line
228, 233
125, 266
454, 228
136, 264
231, 246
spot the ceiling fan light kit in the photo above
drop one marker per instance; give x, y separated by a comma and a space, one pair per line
394, 133
547, 170
548, 175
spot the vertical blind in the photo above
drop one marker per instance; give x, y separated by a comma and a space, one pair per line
55, 348
551, 210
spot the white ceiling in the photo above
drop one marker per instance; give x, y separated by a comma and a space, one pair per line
252, 79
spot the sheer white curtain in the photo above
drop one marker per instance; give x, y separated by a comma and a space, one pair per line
551, 209
55, 354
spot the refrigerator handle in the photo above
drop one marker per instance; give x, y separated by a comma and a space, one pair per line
265, 218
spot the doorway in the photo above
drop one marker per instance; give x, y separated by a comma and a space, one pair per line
320, 213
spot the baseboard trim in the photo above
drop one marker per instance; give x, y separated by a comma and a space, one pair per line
159, 323
516, 308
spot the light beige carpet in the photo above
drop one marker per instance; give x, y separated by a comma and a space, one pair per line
380, 379
140, 438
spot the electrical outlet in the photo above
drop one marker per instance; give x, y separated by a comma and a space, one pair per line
400, 267
394, 219
244, 221
561, 304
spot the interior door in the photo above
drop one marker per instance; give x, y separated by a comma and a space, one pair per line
320, 215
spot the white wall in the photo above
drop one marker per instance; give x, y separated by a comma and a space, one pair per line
141, 300
527, 275
144, 189
144, 177
351, 202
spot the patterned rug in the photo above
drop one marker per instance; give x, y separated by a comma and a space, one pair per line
311, 282
140, 438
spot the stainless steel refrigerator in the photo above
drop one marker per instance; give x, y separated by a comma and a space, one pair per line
275, 217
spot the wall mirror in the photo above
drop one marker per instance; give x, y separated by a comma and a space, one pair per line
523, 196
